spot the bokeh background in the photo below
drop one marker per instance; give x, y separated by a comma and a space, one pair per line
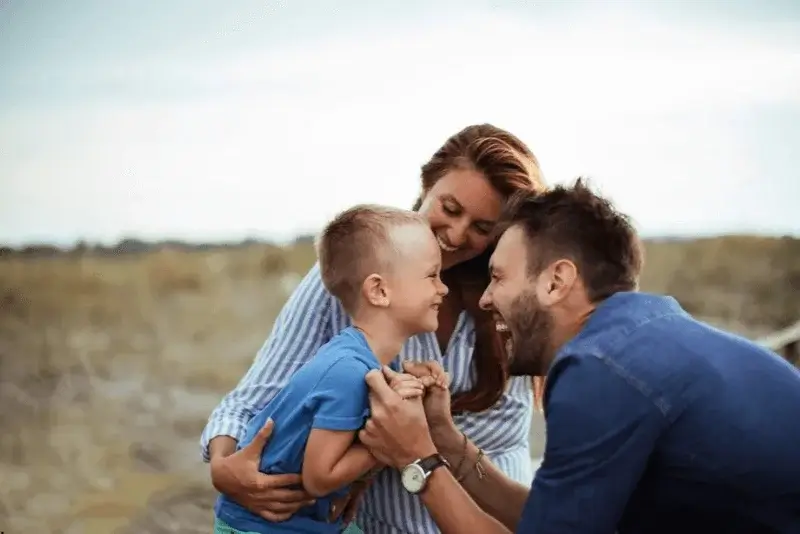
165, 165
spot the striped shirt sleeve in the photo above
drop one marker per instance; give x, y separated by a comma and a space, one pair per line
301, 328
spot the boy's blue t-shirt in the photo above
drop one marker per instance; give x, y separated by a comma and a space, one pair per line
328, 392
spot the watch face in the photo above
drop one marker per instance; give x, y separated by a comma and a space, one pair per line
413, 478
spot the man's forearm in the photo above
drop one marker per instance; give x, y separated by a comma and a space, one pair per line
499, 496
453, 510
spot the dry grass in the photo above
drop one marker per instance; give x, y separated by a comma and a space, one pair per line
109, 365
752, 282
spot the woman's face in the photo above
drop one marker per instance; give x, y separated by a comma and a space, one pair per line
462, 209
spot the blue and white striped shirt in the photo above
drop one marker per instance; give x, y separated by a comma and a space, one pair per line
310, 318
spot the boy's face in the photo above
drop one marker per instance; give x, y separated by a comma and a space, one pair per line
417, 291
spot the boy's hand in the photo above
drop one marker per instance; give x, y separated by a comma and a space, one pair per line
430, 373
345, 507
406, 385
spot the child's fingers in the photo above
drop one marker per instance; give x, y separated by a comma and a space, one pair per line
428, 381
407, 392
407, 382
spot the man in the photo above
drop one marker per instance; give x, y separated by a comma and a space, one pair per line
655, 422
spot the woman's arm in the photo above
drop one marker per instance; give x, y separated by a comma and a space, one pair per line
302, 326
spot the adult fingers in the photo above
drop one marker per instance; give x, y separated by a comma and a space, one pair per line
256, 447
278, 507
273, 517
290, 496
268, 482
420, 369
379, 389
390, 374
367, 433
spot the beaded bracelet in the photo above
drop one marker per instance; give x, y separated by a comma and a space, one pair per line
478, 467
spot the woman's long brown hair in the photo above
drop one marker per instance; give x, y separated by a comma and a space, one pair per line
510, 166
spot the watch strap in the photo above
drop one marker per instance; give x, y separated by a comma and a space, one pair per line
432, 462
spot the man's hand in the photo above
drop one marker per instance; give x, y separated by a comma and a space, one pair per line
269, 496
437, 394
396, 432
407, 386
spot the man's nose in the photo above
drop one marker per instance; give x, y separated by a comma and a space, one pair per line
485, 302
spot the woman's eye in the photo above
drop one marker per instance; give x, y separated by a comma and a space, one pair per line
450, 210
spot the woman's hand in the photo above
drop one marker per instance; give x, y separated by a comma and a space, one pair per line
273, 497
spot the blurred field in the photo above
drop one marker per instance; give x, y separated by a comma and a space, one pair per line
110, 364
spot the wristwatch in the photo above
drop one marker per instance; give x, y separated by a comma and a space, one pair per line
415, 475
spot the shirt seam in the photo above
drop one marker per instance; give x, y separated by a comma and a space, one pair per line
322, 377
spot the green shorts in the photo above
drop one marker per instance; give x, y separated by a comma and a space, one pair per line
221, 528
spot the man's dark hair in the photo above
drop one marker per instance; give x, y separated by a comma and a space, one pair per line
573, 222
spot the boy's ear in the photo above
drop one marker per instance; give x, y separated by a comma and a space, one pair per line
376, 291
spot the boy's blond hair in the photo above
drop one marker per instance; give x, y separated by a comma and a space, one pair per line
357, 243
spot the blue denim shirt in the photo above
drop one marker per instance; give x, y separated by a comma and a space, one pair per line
658, 423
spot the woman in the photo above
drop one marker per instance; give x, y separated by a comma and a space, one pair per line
464, 187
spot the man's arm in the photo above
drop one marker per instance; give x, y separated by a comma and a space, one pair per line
601, 431
454, 511
332, 461
498, 495
397, 434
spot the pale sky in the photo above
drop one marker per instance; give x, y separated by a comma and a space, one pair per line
209, 120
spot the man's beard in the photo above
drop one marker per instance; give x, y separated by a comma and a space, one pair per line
530, 326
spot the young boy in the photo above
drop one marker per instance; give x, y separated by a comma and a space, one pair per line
383, 265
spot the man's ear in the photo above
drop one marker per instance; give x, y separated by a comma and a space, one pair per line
562, 277
376, 291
